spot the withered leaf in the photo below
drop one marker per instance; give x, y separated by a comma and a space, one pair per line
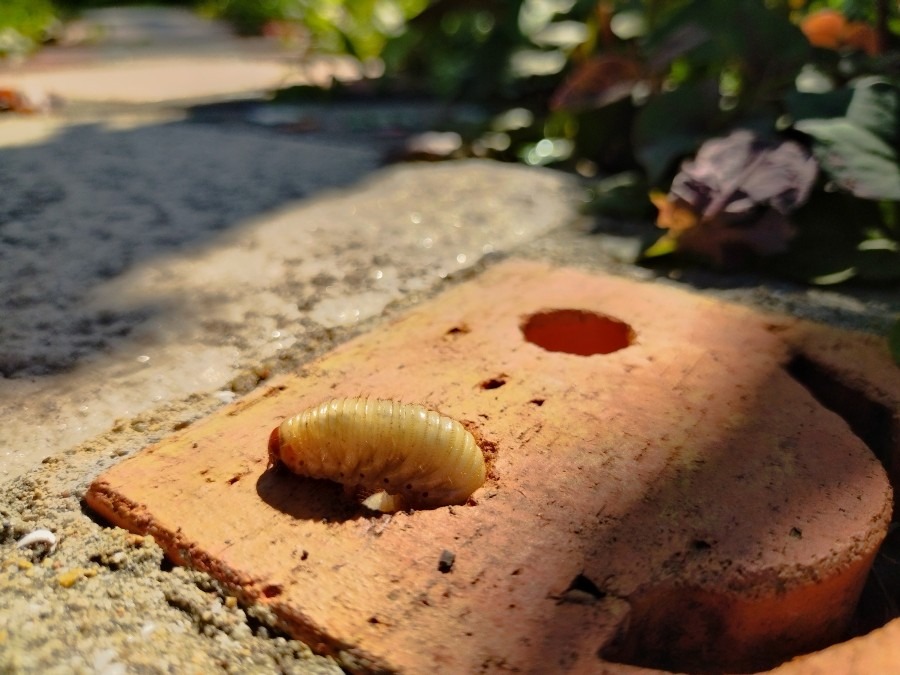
742, 172
597, 82
741, 188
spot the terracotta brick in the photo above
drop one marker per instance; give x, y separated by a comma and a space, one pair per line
677, 500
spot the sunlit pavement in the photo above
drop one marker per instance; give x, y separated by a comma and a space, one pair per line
149, 254
152, 55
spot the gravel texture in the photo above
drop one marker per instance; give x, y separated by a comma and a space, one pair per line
106, 601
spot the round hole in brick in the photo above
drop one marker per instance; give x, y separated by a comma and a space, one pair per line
494, 382
577, 331
272, 591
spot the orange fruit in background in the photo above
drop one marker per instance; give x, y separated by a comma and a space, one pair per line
824, 28
830, 29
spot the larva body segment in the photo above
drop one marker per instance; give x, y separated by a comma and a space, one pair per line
428, 459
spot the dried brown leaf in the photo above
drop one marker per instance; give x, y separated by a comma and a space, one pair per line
597, 82
741, 187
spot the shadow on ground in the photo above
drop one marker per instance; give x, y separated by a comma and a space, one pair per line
92, 202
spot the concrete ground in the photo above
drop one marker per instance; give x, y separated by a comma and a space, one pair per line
156, 264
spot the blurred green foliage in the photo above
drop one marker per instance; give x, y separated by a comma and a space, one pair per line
24, 24
623, 91
360, 28
249, 18
627, 90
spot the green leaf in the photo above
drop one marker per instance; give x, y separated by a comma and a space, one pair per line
830, 227
663, 246
622, 196
878, 265
859, 150
711, 33
856, 159
602, 135
874, 107
673, 125
803, 105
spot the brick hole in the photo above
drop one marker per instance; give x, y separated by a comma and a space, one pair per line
649, 632
577, 331
582, 590
461, 329
272, 591
494, 382
874, 424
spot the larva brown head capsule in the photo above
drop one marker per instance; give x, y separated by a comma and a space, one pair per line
274, 447
428, 459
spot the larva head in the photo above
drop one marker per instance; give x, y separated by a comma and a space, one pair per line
275, 446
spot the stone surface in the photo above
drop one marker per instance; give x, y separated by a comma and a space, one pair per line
159, 289
677, 499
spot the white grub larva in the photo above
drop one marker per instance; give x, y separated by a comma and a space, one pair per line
42, 537
417, 456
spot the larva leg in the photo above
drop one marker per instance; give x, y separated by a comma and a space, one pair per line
384, 502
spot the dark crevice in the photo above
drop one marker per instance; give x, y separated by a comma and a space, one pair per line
581, 591
494, 382
272, 591
654, 637
95, 517
874, 424
870, 420
459, 330
582, 583
262, 628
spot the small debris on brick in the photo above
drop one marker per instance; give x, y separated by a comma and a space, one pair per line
445, 562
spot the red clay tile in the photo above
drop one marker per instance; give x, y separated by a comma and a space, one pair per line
677, 499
